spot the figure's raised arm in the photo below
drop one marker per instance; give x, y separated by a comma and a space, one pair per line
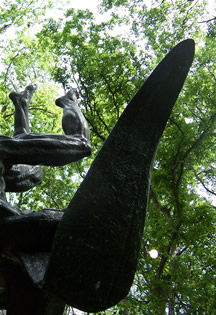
21, 101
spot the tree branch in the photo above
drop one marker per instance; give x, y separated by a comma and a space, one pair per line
164, 258
164, 210
194, 144
94, 129
177, 125
209, 20
197, 177
4, 27
11, 62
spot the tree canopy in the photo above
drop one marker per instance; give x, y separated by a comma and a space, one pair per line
108, 59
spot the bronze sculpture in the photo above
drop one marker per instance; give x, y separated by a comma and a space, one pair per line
90, 260
73, 120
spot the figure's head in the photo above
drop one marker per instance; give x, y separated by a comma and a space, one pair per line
59, 102
69, 99
73, 94
31, 88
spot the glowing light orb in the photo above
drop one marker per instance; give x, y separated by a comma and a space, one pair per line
153, 253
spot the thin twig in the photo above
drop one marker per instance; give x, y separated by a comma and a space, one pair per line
212, 19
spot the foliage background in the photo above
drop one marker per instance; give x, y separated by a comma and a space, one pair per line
107, 58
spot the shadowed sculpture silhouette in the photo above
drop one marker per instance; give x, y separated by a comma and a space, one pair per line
96, 247
88, 252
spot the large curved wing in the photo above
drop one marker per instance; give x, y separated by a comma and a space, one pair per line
96, 247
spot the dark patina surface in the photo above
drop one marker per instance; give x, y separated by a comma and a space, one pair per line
85, 255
